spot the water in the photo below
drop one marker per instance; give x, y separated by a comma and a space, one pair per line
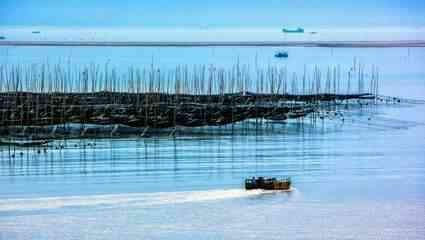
357, 179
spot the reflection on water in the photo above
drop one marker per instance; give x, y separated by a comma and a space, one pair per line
207, 158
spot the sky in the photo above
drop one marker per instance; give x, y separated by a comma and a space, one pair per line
212, 14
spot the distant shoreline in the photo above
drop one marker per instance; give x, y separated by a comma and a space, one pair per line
330, 44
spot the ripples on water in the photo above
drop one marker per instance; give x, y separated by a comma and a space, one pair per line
207, 158
357, 179
198, 159
161, 187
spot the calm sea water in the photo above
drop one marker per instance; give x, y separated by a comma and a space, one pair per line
357, 179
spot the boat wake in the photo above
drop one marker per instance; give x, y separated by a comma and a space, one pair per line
133, 199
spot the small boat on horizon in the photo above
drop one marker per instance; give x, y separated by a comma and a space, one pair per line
296, 30
282, 54
267, 183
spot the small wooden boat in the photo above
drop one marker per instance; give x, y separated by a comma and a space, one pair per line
267, 183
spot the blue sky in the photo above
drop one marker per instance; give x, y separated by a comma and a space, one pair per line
217, 13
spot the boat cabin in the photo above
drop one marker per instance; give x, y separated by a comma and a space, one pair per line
267, 183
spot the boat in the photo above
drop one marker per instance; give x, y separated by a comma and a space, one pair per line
22, 142
281, 55
36, 32
267, 183
2, 38
296, 30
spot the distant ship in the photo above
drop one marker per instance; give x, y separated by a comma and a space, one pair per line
35, 32
281, 55
2, 38
297, 30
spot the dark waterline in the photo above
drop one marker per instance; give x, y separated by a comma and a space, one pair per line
329, 44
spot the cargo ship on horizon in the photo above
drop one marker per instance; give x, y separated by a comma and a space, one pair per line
296, 30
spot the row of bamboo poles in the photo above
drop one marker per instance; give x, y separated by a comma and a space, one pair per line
184, 79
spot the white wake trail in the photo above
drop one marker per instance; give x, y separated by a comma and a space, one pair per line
139, 199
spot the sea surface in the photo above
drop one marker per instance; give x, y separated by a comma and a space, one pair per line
361, 178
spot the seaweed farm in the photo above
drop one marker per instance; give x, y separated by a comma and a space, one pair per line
201, 120
48, 102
